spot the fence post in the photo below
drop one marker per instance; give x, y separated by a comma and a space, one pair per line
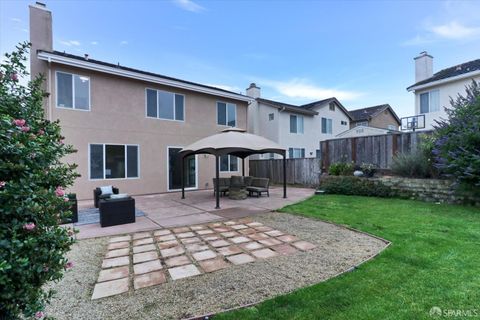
354, 150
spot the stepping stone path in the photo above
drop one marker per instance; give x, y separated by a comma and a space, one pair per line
146, 259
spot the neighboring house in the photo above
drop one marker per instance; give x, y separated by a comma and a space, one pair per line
362, 131
128, 125
382, 116
297, 128
433, 91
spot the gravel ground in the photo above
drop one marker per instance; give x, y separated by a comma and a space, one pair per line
338, 249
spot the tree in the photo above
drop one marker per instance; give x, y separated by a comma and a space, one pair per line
457, 147
32, 197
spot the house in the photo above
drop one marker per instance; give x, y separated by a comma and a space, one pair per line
382, 116
362, 131
128, 125
433, 91
297, 128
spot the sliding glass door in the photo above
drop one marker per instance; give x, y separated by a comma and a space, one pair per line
174, 170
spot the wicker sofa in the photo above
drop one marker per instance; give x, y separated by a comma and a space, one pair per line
97, 195
116, 211
253, 185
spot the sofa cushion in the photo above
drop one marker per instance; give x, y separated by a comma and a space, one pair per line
106, 190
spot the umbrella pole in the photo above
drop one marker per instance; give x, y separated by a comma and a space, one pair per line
284, 174
217, 181
243, 167
182, 177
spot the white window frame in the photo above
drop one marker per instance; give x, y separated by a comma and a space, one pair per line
229, 162
271, 116
73, 91
293, 153
298, 121
226, 114
168, 171
104, 162
158, 107
392, 127
326, 123
429, 101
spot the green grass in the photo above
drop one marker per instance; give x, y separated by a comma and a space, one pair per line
434, 260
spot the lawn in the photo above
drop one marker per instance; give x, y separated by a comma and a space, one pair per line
434, 260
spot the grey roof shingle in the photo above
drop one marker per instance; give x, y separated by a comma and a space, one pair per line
457, 70
365, 114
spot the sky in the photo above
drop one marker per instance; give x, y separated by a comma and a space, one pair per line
361, 52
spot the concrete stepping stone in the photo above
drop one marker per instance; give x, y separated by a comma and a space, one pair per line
148, 280
240, 259
204, 231
167, 237
110, 288
227, 251
211, 238
258, 236
229, 234
120, 239
142, 241
113, 273
264, 253
303, 245
145, 256
181, 272
239, 227
177, 261
190, 240
145, 248
269, 242
118, 245
251, 246
198, 227
115, 262
248, 231
213, 265
274, 233
219, 243
181, 230
162, 232
117, 253
170, 252
240, 239
288, 238
185, 235
196, 247
254, 224
141, 235
204, 255
284, 249
167, 244
146, 267
263, 229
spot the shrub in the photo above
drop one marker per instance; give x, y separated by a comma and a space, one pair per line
413, 164
341, 169
354, 186
368, 169
457, 148
32, 196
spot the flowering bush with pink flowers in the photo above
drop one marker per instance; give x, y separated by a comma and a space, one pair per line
32, 194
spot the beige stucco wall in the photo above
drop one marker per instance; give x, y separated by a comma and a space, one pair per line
117, 116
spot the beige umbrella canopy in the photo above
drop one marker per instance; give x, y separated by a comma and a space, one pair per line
236, 142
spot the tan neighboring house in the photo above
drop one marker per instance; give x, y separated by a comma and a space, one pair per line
382, 117
128, 125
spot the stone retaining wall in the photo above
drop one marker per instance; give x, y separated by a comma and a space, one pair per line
430, 190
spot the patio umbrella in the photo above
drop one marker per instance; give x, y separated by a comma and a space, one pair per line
236, 142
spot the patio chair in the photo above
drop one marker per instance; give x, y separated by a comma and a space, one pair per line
224, 185
116, 211
248, 181
97, 195
259, 186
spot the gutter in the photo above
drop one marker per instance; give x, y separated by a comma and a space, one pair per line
137, 76
446, 80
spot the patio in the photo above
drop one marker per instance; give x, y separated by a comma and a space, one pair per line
168, 210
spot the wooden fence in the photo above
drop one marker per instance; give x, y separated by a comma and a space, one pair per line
378, 150
305, 171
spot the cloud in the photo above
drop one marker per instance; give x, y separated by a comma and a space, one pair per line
70, 43
189, 5
418, 40
455, 30
16, 20
302, 89
123, 42
94, 43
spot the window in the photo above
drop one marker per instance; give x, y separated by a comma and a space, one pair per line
430, 101
296, 124
228, 163
114, 161
361, 123
331, 106
227, 114
392, 127
165, 105
344, 123
326, 125
296, 153
73, 91
271, 116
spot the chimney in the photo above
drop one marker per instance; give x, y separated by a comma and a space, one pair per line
253, 91
423, 66
40, 36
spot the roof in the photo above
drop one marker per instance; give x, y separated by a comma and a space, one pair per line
288, 107
458, 70
112, 68
373, 131
233, 141
365, 114
313, 105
